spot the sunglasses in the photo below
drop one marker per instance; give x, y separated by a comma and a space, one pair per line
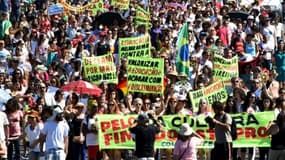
138, 104
111, 104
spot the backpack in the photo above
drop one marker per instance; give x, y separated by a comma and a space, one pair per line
233, 128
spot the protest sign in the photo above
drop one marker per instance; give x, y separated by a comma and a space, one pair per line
134, 46
94, 6
212, 93
142, 17
55, 9
121, 4
145, 75
224, 68
114, 130
100, 68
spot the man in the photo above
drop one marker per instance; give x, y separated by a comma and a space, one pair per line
145, 136
4, 134
5, 25
55, 134
222, 126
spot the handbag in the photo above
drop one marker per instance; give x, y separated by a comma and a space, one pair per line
185, 150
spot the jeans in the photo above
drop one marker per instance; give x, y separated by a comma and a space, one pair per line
55, 154
146, 158
78, 151
14, 146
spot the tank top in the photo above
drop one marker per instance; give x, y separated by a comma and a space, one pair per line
102, 49
250, 49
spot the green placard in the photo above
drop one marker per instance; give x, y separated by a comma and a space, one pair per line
100, 68
145, 75
142, 17
114, 130
121, 4
212, 93
134, 46
224, 68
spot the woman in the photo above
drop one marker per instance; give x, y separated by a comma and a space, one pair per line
78, 146
113, 108
266, 105
280, 63
186, 144
32, 132
171, 105
230, 105
250, 46
89, 129
16, 120
203, 110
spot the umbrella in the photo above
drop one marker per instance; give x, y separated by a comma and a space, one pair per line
176, 5
238, 14
82, 87
110, 18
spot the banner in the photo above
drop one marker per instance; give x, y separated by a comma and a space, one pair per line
100, 68
142, 17
134, 47
121, 4
94, 6
224, 68
212, 93
55, 9
145, 75
114, 130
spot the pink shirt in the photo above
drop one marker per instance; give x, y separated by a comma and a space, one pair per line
191, 151
14, 123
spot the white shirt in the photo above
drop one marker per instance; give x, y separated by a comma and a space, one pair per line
3, 121
55, 133
91, 138
33, 135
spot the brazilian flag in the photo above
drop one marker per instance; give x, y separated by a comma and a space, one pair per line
182, 59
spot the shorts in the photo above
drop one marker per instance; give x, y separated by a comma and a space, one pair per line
92, 152
34, 155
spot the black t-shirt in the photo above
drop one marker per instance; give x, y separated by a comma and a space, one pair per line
278, 140
145, 137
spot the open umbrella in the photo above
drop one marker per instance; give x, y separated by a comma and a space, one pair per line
110, 18
82, 87
176, 5
238, 15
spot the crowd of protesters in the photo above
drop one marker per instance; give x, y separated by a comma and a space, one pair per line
66, 122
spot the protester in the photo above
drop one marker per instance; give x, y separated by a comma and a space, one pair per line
222, 125
41, 51
185, 146
32, 132
145, 136
55, 136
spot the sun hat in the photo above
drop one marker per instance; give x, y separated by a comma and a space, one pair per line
185, 130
